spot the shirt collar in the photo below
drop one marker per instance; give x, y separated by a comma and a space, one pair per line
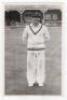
34, 26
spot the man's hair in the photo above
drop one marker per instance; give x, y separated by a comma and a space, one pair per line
33, 14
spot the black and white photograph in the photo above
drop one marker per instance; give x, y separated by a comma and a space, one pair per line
33, 49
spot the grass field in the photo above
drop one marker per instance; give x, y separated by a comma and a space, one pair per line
15, 64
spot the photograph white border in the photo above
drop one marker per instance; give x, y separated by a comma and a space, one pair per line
64, 52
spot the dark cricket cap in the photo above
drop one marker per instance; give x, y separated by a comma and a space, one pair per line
33, 14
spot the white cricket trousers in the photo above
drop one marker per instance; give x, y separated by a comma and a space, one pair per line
36, 66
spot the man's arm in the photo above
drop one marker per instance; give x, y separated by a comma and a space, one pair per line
46, 33
24, 35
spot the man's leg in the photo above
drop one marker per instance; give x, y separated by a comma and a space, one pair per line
30, 68
41, 68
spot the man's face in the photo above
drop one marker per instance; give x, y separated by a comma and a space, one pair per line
35, 21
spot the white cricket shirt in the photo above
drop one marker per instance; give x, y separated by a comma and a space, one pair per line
35, 36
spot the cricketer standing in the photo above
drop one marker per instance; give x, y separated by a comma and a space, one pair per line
36, 34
